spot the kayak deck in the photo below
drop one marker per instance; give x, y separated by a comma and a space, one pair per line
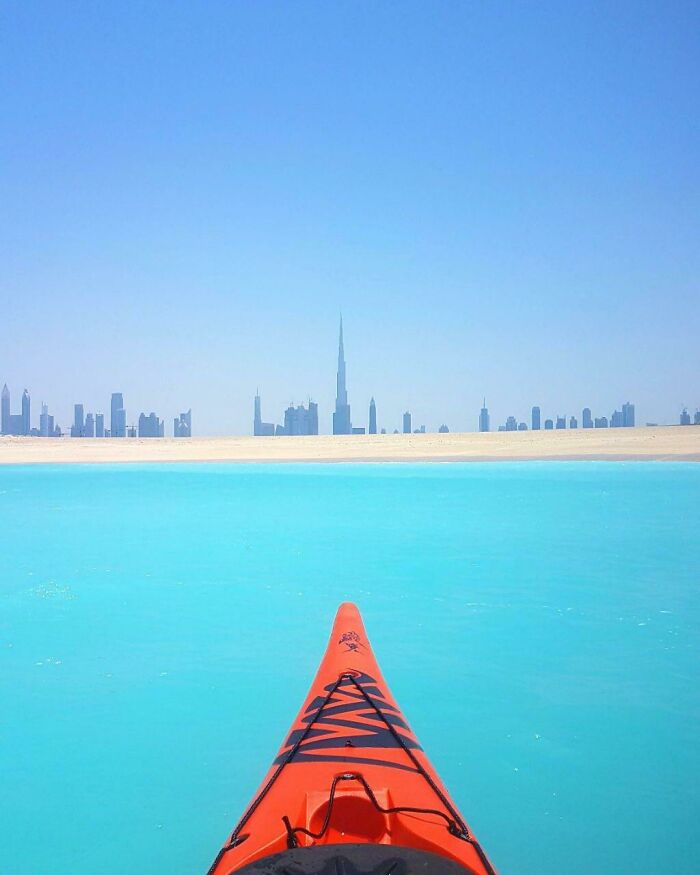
351, 774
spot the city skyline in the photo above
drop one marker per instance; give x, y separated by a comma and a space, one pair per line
87, 424
300, 419
456, 412
625, 417
192, 230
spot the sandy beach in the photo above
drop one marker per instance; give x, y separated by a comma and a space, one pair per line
665, 443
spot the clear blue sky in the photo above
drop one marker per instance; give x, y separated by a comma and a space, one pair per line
504, 199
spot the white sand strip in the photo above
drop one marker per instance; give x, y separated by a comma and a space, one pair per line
658, 443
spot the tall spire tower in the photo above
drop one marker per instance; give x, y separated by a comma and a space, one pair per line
341, 417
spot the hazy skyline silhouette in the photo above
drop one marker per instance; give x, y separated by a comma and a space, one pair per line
502, 201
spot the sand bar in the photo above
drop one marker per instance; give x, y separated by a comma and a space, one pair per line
665, 443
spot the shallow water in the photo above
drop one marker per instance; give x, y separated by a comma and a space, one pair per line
538, 622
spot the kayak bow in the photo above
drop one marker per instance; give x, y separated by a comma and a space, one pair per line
351, 789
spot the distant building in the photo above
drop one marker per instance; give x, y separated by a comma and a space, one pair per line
522, 426
548, 425
696, 418
616, 419
628, 415
100, 425
586, 418
372, 417
117, 426
511, 424
182, 425
341, 416
301, 420
484, 419
44, 421
26, 413
47, 427
601, 422
407, 423
16, 424
260, 428
573, 422
78, 427
5, 411
685, 418
383, 431
358, 429
90, 426
443, 429
150, 426
535, 418
561, 422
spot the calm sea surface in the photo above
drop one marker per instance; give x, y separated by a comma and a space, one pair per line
538, 623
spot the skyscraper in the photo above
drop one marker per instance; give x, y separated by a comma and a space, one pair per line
5, 410
26, 413
407, 423
118, 416
616, 419
150, 426
44, 421
536, 419
260, 428
372, 417
301, 420
685, 417
78, 427
484, 421
561, 422
182, 425
573, 422
89, 426
257, 415
511, 424
47, 426
586, 418
100, 425
628, 415
341, 417
312, 417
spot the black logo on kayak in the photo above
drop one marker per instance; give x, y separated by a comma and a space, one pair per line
348, 722
352, 642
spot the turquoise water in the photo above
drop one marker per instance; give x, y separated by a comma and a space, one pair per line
539, 624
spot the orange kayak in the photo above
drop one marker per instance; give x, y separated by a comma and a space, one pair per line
351, 790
